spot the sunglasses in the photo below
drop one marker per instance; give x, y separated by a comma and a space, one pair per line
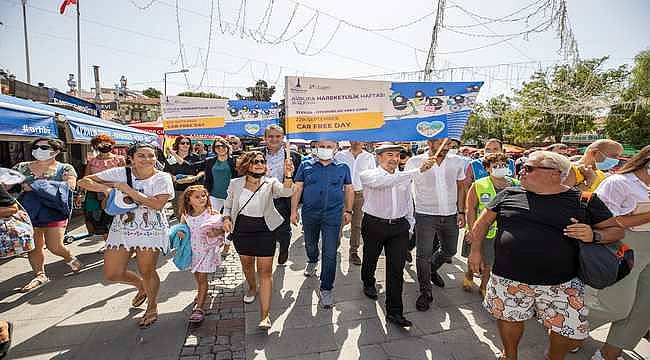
259, 161
222, 146
42, 147
530, 168
184, 143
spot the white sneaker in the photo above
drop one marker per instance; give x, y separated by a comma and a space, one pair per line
310, 270
599, 356
265, 324
327, 298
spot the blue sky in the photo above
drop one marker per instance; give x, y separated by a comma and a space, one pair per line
142, 44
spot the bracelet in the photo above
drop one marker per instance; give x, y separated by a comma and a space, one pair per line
461, 213
349, 212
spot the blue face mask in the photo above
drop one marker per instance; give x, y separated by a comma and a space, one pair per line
607, 164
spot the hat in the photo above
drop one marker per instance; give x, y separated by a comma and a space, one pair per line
383, 147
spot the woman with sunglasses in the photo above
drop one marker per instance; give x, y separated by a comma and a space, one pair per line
46, 167
185, 167
251, 217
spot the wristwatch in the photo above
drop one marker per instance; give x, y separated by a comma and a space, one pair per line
598, 237
349, 212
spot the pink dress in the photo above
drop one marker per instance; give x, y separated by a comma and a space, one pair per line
206, 257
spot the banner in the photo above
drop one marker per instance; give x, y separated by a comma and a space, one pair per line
183, 114
363, 110
62, 99
235, 117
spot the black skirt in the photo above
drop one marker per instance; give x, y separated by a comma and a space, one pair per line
252, 237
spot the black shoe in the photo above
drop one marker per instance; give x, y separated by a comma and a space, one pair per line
283, 256
370, 291
423, 302
355, 259
398, 320
409, 257
437, 280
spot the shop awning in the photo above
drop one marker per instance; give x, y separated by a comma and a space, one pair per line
25, 118
85, 127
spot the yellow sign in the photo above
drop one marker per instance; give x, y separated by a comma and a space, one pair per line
194, 123
335, 122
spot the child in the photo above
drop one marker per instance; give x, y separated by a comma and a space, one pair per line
206, 229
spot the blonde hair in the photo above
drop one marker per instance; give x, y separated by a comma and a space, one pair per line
185, 204
552, 160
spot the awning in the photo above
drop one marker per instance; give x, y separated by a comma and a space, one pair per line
84, 127
25, 118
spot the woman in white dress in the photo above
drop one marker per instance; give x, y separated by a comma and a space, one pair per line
143, 230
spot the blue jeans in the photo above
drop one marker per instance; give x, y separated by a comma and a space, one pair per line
329, 229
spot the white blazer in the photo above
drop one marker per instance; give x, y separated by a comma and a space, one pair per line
270, 189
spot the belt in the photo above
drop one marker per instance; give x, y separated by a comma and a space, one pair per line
385, 221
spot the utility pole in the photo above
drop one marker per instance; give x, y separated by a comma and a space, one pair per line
78, 52
29, 77
440, 14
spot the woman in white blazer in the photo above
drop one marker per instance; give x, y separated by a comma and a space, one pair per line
251, 217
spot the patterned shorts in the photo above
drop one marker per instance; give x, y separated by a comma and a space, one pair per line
561, 308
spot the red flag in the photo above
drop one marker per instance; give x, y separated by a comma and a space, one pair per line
65, 4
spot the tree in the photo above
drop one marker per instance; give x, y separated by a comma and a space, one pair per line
629, 121
202, 94
568, 98
260, 92
152, 93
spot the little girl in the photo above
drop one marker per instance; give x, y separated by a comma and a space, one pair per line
206, 230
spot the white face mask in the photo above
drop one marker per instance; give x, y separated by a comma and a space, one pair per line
40, 154
453, 151
325, 154
500, 172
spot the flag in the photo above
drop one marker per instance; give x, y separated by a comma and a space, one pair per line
65, 4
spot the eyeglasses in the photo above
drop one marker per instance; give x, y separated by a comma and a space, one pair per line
259, 161
42, 147
184, 143
530, 168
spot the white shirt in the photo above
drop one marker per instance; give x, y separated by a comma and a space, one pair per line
436, 190
622, 192
255, 207
388, 196
364, 161
275, 164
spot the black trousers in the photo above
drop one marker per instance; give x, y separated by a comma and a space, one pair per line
394, 239
283, 232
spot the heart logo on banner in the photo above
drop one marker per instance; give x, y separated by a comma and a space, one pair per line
430, 128
252, 128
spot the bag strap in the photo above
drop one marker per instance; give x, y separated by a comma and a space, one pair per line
251, 198
129, 176
585, 198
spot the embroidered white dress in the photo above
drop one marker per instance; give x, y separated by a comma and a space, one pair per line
143, 228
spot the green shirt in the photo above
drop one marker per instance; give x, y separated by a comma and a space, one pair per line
221, 173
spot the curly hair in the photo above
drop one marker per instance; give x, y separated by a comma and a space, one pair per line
245, 161
100, 139
490, 159
186, 207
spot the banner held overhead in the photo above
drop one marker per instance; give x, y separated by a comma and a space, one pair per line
196, 115
363, 110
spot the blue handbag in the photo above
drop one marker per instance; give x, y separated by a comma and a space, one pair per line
117, 202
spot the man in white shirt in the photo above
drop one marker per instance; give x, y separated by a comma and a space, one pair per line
357, 160
387, 222
439, 213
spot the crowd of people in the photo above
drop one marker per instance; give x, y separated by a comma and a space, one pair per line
524, 224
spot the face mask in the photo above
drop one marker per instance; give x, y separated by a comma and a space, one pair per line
500, 172
255, 175
40, 154
607, 164
453, 151
105, 149
325, 154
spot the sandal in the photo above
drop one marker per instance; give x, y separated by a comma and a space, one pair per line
4, 346
38, 281
139, 299
468, 285
149, 318
197, 316
75, 265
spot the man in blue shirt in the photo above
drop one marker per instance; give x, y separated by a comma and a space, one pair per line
327, 199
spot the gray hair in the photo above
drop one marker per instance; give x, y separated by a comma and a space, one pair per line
273, 127
551, 160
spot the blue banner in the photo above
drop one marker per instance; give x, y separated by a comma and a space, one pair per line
243, 118
362, 110
77, 104
84, 130
20, 123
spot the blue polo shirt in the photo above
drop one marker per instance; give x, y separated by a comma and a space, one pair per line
323, 192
